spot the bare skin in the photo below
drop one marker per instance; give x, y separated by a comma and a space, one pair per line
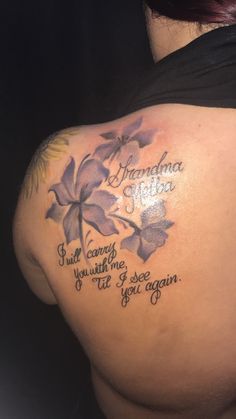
168, 35
157, 317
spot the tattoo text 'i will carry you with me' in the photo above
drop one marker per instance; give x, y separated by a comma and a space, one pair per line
98, 197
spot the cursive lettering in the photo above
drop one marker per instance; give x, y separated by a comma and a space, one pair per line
65, 260
157, 285
103, 283
161, 168
109, 250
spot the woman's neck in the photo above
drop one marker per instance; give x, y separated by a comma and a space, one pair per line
168, 35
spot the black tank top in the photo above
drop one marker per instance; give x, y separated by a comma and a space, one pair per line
203, 73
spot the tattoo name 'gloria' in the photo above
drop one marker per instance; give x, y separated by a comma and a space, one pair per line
84, 206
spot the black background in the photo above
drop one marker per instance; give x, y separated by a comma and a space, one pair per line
63, 63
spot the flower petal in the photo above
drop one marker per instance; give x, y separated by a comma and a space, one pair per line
154, 235
68, 177
129, 153
133, 127
71, 223
144, 138
103, 199
95, 216
146, 249
154, 213
55, 212
131, 243
104, 151
164, 224
90, 175
64, 191
111, 135
62, 195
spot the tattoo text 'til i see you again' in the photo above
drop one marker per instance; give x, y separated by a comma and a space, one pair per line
87, 205
129, 284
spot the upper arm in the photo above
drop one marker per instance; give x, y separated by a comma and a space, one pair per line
26, 221
31, 270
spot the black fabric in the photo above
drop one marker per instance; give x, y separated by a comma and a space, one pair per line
203, 73
63, 63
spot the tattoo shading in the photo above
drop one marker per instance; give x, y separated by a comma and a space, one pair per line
50, 149
152, 234
126, 144
80, 200
78, 195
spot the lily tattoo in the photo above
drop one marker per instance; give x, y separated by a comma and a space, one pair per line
125, 144
81, 202
151, 234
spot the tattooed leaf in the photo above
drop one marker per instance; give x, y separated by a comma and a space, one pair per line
90, 242
122, 223
87, 234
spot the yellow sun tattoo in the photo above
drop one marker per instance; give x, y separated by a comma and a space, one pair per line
50, 149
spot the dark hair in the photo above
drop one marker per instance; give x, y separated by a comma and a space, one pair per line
202, 11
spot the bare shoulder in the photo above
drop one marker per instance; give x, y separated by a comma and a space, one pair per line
130, 227
141, 182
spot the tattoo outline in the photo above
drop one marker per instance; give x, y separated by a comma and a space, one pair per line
79, 199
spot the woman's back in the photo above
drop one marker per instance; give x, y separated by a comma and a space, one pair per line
134, 228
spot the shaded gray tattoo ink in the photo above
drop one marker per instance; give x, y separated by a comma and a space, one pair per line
145, 182
151, 233
80, 201
126, 144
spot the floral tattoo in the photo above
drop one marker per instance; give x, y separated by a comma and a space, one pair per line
50, 149
125, 144
80, 199
146, 239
